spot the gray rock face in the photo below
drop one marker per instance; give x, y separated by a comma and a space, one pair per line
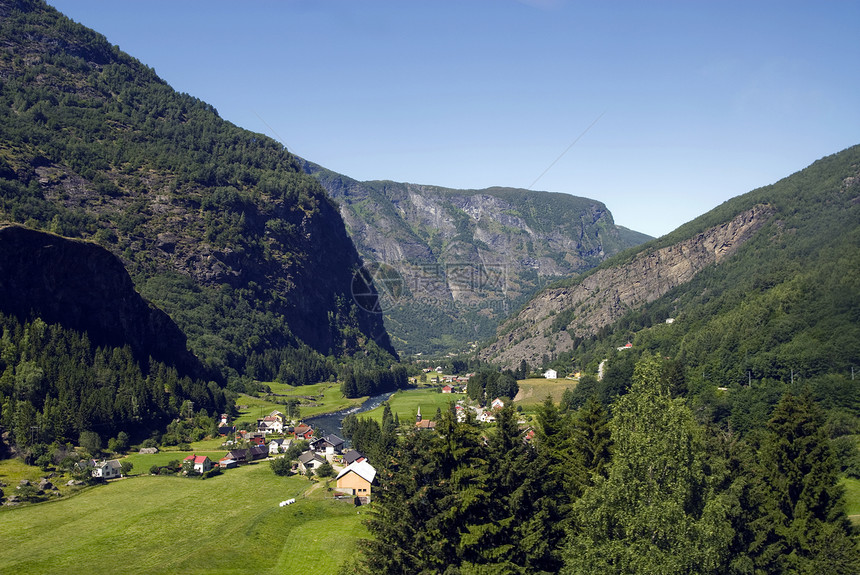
606, 295
467, 257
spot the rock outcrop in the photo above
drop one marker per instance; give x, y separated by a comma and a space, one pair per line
84, 287
604, 296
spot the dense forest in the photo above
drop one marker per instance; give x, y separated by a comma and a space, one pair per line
56, 386
649, 483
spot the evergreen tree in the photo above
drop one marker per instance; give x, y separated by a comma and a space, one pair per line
803, 527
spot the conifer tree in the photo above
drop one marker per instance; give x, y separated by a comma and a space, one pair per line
802, 527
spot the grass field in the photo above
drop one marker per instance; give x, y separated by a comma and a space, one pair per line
315, 399
534, 391
405, 404
227, 524
852, 498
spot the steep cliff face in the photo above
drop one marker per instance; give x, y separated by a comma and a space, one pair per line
84, 287
467, 257
551, 321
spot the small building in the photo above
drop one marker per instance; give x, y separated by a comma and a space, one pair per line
329, 444
226, 430
107, 469
270, 424
550, 374
303, 431
357, 479
425, 424
447, 389
201, 463
259, 452
308, 461
238, 455
497, 404
227, 463
352, 455
627, 345
277, 446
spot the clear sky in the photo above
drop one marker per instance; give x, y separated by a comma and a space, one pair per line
661, 110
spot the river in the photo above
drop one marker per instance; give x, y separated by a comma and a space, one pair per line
331, 422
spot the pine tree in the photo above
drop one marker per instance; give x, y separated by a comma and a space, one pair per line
802, 527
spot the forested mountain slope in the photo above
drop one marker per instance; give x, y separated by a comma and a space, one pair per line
458, 261
763, 286
218, 226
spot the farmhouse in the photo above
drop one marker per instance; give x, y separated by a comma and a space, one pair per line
303, 431
447, 389
308, 461
107, 469
330, 444
277, 446
351, 456
357, 479
201, 463
270, 424
497, 404
550, 374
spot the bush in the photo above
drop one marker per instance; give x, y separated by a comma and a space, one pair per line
281, 466
325, 470
154, 470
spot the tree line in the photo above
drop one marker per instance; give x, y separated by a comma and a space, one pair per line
641, 486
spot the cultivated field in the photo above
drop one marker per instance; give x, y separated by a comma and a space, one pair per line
534, 391
226, 524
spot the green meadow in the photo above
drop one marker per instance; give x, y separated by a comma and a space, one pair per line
314, 400
533, 391
405, 404
230, 524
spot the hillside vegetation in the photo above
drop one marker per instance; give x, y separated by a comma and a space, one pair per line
217, 226
779, 297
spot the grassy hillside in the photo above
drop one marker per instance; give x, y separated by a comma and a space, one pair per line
227, 524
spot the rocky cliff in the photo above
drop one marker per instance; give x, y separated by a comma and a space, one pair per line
82, 286
551, 321
464, 258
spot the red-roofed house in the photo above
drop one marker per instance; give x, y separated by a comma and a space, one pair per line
303, 431
447, 389
201, 463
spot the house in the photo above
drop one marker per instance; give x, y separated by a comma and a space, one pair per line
201, 463
277, 414
439, 369
277, 446
303, 431
497, 404
356, 479
107, 469
330, 444
352, 455
550, 374
447, 389
270, 424
627, 345
485, 416
309, 460
226, 429
225, 420
258, 439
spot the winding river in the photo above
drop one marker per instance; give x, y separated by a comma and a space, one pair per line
331, 422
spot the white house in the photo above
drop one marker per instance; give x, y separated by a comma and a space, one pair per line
550, 374
270, 424
107, 469
497, 404
277, 446
201, 463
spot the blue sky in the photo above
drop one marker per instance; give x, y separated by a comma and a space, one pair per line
688, 103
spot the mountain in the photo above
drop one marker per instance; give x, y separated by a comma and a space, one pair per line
763, 286
451, 264
46, 276
218, 226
